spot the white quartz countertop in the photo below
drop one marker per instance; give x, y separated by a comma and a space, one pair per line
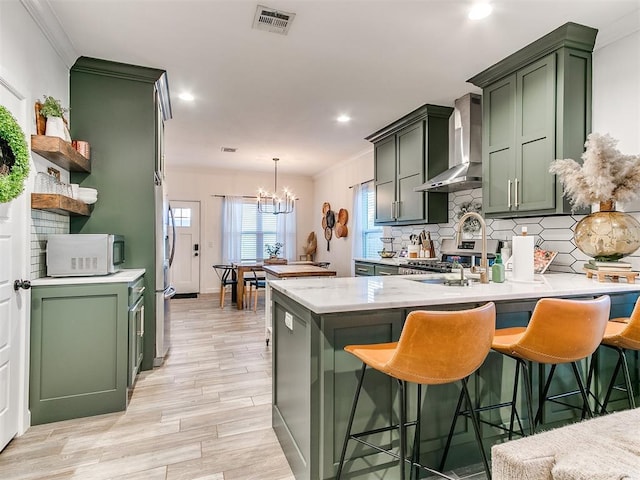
348, 294
122, 276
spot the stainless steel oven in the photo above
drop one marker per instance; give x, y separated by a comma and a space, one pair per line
468, 253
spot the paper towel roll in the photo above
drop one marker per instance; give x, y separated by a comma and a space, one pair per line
522, 258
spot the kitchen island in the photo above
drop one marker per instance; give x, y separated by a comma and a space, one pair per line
314, 379
274, 272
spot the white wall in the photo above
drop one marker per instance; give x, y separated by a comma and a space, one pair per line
616, 92
29, 64
333, 186
616, 96
202, 186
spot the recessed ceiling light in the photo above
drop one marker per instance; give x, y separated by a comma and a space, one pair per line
479, 11
186, 96
343, 118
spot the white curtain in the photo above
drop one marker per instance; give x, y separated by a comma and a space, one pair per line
286, 234
358, 224
231, 229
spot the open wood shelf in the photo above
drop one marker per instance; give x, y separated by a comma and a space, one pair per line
60, 152
53, 202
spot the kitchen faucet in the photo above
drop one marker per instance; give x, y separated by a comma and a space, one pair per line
484, 264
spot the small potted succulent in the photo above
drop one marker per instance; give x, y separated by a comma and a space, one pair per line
52, 109
273, 250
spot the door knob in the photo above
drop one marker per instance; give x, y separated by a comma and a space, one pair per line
18, 284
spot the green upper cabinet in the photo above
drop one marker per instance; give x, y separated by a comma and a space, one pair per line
406, 154
536, 108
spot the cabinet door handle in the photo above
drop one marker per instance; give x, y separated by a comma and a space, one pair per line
141, 330
397, 209
509, 193
515, 193
385, 273
362, 269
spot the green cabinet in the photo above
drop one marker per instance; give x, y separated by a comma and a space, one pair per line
536, 108
119, 109
381, 269
80, 350
406, 154
366, 269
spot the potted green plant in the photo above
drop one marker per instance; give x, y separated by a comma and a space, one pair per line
52, 109
273, 250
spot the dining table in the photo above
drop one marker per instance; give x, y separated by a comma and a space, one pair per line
241, 269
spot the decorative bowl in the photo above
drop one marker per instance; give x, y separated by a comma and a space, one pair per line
386, 254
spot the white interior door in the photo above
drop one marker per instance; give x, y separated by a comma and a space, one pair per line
185, 270
14, 305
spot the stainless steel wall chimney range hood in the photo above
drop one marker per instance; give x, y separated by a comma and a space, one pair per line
465, 149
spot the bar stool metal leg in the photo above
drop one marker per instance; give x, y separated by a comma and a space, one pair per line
416, 437
464, 396
402, 427
350, 423
586, 407
622, 363
476, 428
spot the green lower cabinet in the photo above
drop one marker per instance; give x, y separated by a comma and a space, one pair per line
314, 381
79, 351
365, 269
385, 269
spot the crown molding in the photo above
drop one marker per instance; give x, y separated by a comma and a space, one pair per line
45, 17
618, 29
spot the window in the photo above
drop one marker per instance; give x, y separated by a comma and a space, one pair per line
371, 243
258, 230
182, 217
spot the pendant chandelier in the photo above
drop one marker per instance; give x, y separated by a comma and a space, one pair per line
273, 202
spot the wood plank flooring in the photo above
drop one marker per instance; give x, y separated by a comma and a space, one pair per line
204, 415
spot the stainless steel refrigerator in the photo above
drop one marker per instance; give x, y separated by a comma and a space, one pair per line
165, 249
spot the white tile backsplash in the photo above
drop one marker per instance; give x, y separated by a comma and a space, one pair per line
42, 224
554, 232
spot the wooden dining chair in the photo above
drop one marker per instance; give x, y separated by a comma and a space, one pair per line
254, 281
227, 275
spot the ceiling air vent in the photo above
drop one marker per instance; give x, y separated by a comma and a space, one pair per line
272, 20
228, 149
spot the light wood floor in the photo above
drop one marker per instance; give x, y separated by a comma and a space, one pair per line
204, 415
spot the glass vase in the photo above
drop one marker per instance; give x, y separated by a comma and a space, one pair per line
607, 235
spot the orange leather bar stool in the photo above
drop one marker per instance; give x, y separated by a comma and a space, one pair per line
434, 348
560, 331
622, 334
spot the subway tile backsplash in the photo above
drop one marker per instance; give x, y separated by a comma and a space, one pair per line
42, 224
553, 233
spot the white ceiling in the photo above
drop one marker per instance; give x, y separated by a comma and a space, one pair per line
270, 95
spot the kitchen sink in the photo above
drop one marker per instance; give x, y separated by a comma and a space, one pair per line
441, 280
433, 281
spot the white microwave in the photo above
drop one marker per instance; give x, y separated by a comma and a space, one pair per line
79, 255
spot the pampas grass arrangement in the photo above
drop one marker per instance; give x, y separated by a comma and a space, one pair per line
605, 174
